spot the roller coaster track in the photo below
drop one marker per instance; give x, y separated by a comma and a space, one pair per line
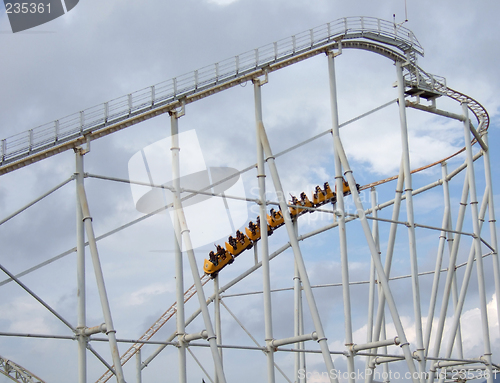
415, 77
73, 130
479, 111
153, 330
17, 373
379, 36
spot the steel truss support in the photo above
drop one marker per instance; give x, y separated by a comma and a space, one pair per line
339, 151
477, 250
477, 217
110, 331
449, 276
261, 177
186, 239
252, 338
340, 214
322, 340
446, 235
16, 372
492, 222
372, 290
300, 357
439, 258
80, 270
410, 219
179, 273
380, 318
138, 370
218, 324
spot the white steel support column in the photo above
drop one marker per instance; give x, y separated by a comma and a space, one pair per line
476, 255
439, 258
186, 239
380, 318
322, 340
340, 213
444, 236
80, 271
454, 287
218, 327
110, 331
376, 237
492, 221
179, 272
261, 176
372, 289
455, 323
410, 219
449, 277
300, 357
404, 344
296, 320
371, 243
477, 242
138, 366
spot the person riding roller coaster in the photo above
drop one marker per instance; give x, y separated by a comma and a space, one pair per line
274, 220
240, 237
232, 242
253, 227
213, 258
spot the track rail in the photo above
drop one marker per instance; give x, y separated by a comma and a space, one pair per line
68, 132
17, 373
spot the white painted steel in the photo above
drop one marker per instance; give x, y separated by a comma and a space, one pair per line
492, 220
80, 270
322, 340
110, 330
411, 221
186, 238
138, 370
51, 138
179, 273
340, 215
264, 246
16, 372
364, 33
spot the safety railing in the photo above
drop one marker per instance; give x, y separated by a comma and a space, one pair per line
78, 124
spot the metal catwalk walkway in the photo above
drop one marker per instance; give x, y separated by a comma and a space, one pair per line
73, 130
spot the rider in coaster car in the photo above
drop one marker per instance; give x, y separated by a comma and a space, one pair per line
213, 258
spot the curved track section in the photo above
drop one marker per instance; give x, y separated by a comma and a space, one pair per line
73, 130
17, 373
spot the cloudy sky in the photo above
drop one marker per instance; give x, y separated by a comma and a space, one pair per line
103, 50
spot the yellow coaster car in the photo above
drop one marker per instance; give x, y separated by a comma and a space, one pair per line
253, 232
346, 190
294, 210
241, 245
323, 196
222, 259
276, 219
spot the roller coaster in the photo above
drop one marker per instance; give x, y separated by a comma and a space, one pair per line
434, 360
275, 219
